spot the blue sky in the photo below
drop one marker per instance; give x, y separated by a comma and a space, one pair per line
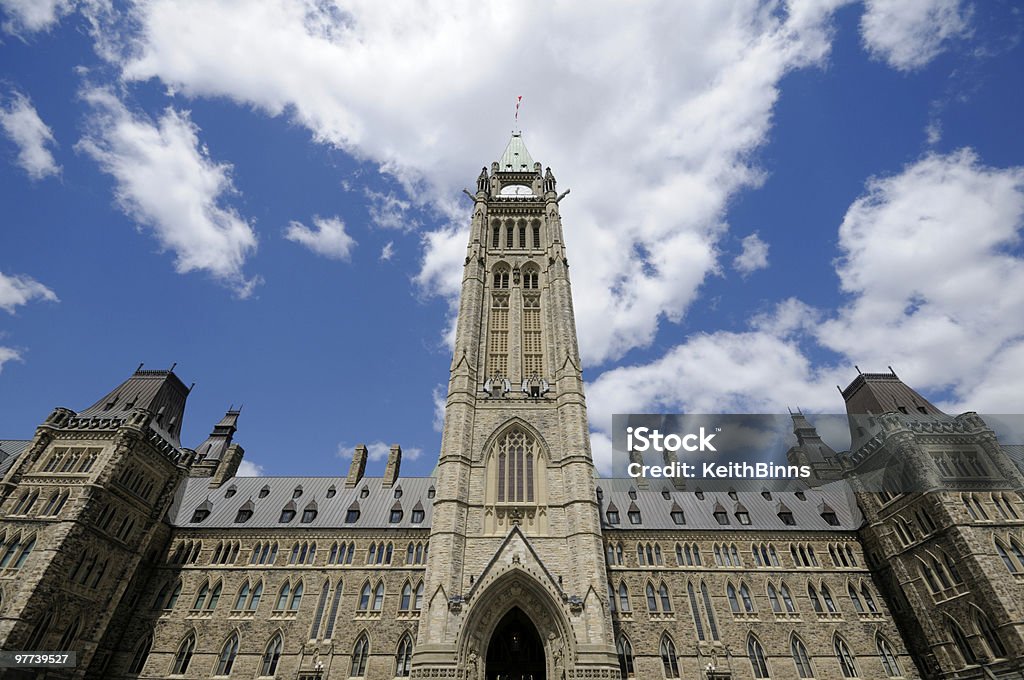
268, 194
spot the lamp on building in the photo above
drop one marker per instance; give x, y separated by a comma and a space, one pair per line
318, 669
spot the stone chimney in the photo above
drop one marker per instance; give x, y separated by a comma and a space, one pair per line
393, 466
358, 467
228, 466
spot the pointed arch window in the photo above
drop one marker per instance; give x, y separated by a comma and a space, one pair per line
826, 595
67, 640
332, 615
773, 599
988, 634
1011, 566
183, 657
868, 599
321, 604
403, 657
712, 625
417, 602
359, 656
652, 599
734, 603
961, 642
890, 663
669, 662
364, 597
497, 350
666, 601
271, 656
697, 623
625, 652
228, 652
406, 601
378, 597
624, 605
812, 593
758, 663
515, 457
855, 599
141, 655
847, 662
787, 598
801, 660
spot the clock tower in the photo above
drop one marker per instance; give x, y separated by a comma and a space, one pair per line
516, 578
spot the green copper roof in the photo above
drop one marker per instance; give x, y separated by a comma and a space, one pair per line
516, 158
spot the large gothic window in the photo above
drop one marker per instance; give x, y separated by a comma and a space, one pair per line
497, 351
271, 656
516, 457
533, 355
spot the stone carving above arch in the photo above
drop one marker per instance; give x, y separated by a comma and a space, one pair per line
514, 585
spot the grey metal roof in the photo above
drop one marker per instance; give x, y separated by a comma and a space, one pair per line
160, 392
374, 506
655, 509
1016, 453
516, 158
10, 449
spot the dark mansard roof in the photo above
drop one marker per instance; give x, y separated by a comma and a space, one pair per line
373, 500
10, 449
656, 509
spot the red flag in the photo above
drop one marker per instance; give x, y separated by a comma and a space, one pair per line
518, 99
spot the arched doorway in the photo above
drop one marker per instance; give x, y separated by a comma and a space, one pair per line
515, 651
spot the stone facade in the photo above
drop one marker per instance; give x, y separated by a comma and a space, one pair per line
152, 560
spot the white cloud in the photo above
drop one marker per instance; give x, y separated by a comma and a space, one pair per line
753, 257
930, 256
328, 238
18, 290
933, 133
388, 251
652, 170
167, 181
935, 288
907, 35
22, 124
249, 469
8, 354
34, 15
387, 211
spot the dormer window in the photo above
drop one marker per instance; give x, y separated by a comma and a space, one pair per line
665, 494
398, 492
201, 513
722, 517
230, 492
244, 513
396, 516
634, 514
364, 492
417, 515
678, 517
297, 492
431, 492
264, 492
632, 493
331, 492
352, 515
787, 518
287, 515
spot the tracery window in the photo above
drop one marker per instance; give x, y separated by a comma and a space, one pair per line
516, 457
533, 355
497, 359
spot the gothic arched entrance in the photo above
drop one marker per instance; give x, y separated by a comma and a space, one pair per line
515, 650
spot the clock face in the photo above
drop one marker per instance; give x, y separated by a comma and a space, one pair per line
516, 190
